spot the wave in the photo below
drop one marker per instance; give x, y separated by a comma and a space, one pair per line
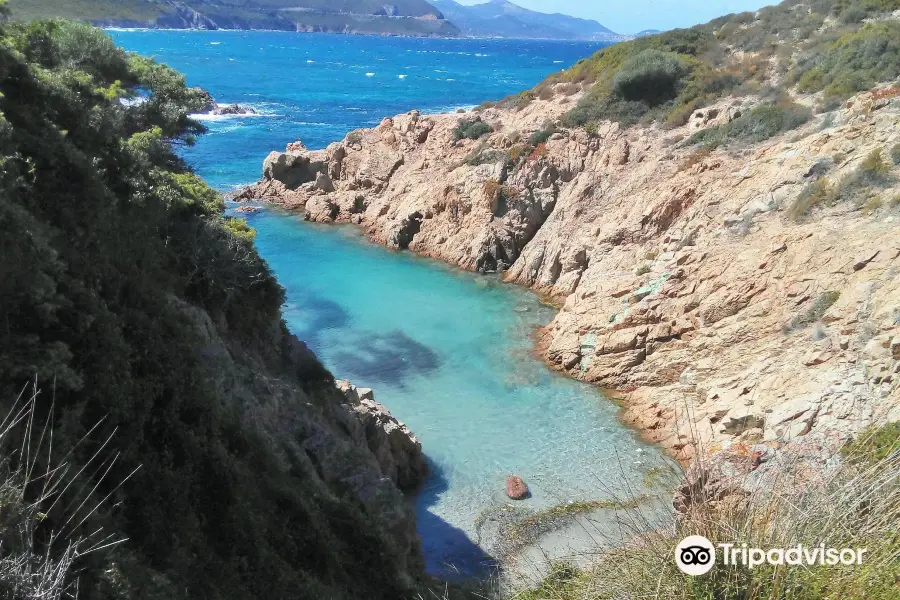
261, 113
370, 74
402, 76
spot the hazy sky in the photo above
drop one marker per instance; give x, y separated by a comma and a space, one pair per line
630, 16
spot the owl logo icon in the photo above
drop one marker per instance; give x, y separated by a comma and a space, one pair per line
695, 555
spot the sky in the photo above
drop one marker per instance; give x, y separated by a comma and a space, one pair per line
631, 16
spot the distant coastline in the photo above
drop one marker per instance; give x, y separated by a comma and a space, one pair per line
625, 38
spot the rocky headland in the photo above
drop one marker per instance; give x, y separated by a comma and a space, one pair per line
415, 18
685, 286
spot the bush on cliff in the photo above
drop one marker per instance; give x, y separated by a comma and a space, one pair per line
471, 129
652, 76
855, 505
666, 77
853, 62
122, 289
761, 123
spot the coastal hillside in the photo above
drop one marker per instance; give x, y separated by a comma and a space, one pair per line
713, 210
165, 436
398, 17
501, 18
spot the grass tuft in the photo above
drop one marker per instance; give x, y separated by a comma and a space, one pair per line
855, 505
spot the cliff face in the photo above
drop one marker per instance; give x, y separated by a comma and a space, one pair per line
208, 445
684, 284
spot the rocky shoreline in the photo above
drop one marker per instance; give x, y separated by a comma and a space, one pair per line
719, 321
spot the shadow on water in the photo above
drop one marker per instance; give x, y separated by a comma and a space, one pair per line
312, 314
449, 553
388, 358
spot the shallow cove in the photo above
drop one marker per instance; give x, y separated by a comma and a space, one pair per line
450, 353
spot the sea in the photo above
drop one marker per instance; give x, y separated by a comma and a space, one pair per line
450, 353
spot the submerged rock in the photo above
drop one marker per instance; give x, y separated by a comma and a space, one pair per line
516, 488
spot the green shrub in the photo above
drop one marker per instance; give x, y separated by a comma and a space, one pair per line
126, 289
519, 101
814, 194
875, 444
853, 63
665, 77
759, 124
853, 14
542, 135
484, 156
471, 129
870, 177
815, 312
875, 164
895, 154
653, 77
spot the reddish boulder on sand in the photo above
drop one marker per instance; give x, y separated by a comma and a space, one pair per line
516, 488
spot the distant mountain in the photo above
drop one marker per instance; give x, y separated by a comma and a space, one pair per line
500, 18
647, 32
377, 17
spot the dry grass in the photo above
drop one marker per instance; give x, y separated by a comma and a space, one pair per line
855, 505
32, 484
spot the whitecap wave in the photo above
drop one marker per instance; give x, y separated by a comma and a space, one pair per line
262, 112
310, 62
402, 76
370, 74
215, 43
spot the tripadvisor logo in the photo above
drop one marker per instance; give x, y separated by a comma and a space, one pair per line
696, 555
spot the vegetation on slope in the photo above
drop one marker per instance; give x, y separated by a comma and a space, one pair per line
137, 11
363, 16
114, 253
855, 506
814, 45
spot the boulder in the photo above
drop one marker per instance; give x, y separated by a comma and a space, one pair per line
293, 169
516, 488
211, 107
232, 109
398, 451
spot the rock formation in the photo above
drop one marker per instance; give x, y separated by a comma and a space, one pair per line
213, 108
516, 488
398, 451
683, 284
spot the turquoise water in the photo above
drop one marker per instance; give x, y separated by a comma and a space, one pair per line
450, 353
319, 87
